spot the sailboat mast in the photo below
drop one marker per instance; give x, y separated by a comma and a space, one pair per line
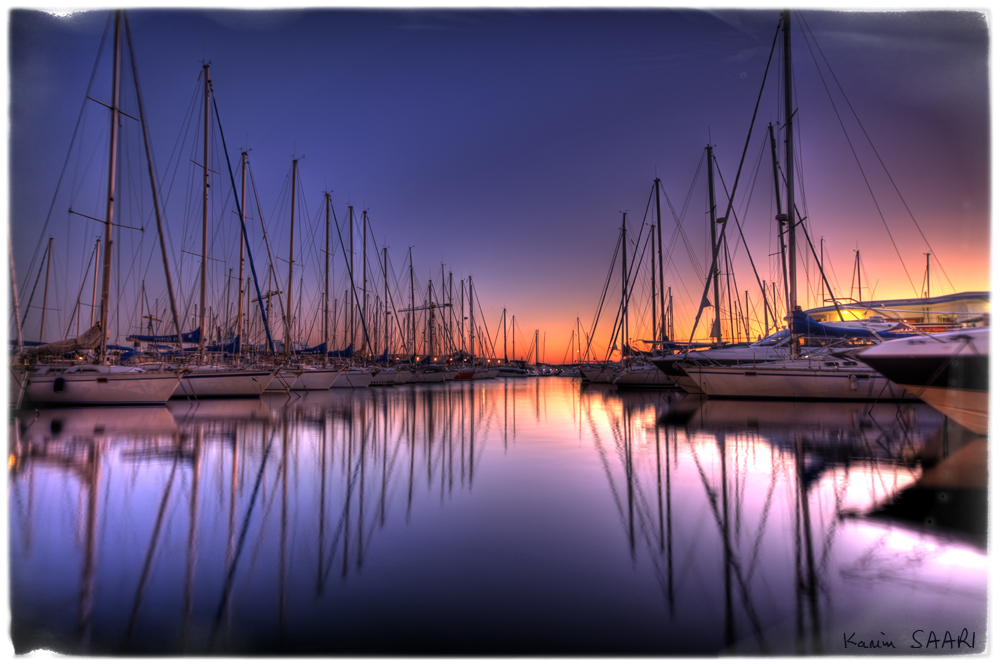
472, 324
782, 219
659, 249
652, 256
243, 216
789, 169
93, 299
717, 326
291, 263
927, 271
204, 227
430, 329
822, 292
17, 303
385, 283
326, 280
45, 293
505, 335
413, 313
350, 235
364, 274
857, 268
109, 217
579, 345
451, 312
624, 288
670, 302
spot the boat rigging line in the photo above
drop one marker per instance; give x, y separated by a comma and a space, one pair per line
739, 170
807, 31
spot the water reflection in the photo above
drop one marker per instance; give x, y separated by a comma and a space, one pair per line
524, 516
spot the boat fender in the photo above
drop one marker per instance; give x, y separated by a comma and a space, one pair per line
58, 385
853, 379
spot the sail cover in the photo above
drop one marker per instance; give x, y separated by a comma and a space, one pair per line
89, 339
347, 352
191, 336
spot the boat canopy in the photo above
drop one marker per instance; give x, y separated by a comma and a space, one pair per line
803, 324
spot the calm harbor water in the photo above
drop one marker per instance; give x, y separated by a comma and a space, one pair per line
519, 516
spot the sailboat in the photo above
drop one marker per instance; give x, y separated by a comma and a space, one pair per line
308, 378
637, 371
816, 375
100, 383
212, 380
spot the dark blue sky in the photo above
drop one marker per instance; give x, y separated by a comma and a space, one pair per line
506, 143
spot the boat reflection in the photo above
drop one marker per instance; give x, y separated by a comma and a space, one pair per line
523, 516
770, 475
240, 478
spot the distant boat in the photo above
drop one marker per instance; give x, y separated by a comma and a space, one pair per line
512, 371
948, 371
429, 374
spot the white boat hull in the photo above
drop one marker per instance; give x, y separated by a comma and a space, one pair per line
789, 382
432, 377
968, 407
644, 377
599, 375
100, 386
222, 383
283, 380
384, 377
949, 371
315, 380
353, 379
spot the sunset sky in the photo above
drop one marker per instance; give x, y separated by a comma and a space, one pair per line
506, 145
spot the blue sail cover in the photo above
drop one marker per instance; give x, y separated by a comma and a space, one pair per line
231, 346
343, 353
192, 336
803, 324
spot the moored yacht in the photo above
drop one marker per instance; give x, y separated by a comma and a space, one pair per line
643, 375
353, 377
949, 371
820, 377
211, 381
100, 385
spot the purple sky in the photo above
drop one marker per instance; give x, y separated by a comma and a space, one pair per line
505, 144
